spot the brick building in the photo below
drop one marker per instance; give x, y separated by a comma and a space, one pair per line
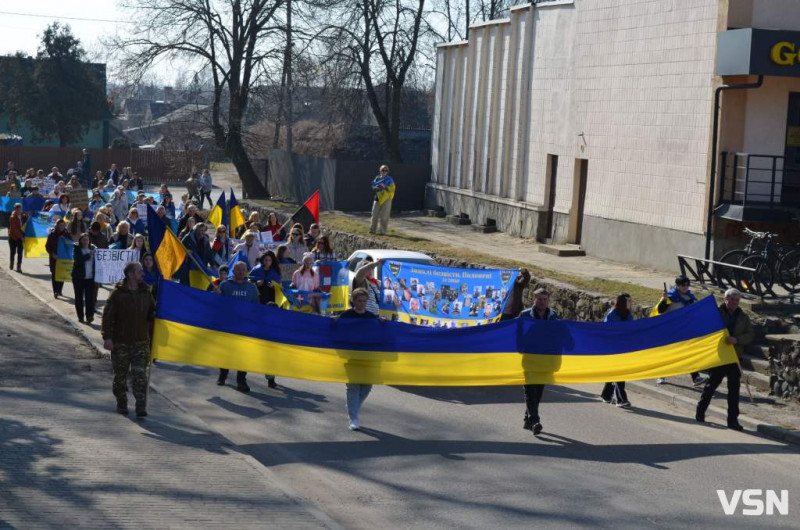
591, 121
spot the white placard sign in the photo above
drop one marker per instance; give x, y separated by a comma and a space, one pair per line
142, 209
109, 264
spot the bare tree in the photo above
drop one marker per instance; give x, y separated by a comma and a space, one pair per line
460, 15
381, 41
235, 40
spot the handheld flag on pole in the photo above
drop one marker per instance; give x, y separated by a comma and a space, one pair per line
219, 213
235, 214
168, 252
308, 213
200, 276
239, 256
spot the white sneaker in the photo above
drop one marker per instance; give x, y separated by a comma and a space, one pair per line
354, 426
624, 405
661, 380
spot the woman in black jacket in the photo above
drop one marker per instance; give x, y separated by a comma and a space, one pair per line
83, 277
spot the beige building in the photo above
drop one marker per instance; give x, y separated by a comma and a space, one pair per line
591, 122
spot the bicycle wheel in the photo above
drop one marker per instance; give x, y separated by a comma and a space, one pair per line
732, 257
762, 275
789, 272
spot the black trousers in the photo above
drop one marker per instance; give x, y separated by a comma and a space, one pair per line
533, 396
715, 377
615, 390
58, 287
205, 195
16, 248
241, 377
84, 298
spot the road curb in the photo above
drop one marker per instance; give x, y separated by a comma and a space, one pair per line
751, 425
265, 472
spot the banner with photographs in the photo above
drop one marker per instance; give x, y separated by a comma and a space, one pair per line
443, 297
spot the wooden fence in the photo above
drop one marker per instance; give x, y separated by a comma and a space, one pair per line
154, 166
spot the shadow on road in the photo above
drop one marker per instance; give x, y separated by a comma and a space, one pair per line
182, 368
162, 431
486, 395
338, 454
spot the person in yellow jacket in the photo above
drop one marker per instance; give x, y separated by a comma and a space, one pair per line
384, 188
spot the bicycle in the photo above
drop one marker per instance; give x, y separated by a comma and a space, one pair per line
770, 260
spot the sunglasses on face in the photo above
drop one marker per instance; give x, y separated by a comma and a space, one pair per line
295, 233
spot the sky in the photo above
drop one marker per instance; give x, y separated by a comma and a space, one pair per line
22, 24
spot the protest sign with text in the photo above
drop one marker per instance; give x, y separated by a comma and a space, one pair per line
109, 264
78, 199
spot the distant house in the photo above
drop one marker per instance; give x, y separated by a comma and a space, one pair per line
98, 135
185, 127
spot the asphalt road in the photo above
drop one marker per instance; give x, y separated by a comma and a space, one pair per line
459, 458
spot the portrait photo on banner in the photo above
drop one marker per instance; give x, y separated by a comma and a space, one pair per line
444, 297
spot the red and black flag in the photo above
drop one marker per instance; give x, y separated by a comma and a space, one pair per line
308, 213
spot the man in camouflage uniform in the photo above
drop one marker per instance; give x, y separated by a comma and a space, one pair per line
127, 322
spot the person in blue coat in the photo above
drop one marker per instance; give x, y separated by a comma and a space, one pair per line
533, 393
621, 312
266, 271
676, 298
137, 226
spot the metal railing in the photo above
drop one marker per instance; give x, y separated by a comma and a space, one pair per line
721, 275
758, 180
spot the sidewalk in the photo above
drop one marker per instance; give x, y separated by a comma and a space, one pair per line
508, 247
68, 460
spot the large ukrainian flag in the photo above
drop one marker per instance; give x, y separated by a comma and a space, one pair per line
219, 331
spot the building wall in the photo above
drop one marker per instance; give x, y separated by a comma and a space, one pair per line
624, 84
765, 116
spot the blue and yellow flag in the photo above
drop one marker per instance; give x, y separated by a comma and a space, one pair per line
36, 230
235, 213
199, 275
168, 252
64, 260
196, 327
219, 213
239, 256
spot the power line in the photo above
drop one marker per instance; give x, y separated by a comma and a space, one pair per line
65, 18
